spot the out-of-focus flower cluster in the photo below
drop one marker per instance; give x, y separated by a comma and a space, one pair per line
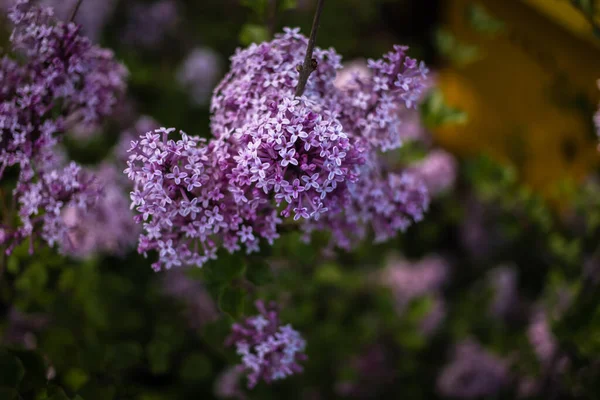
269, 351
409, 281
149, 24
314, 158
57, 79
91, 15
199, 74
473, 373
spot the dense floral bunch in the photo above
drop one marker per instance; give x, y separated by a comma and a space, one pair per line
199, 73
92, 15
62, 80
106, 226
150, 23
314, 158
269, 351
411, 280
473, 373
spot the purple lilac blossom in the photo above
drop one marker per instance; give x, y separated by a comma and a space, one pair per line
21, 328
437, 170
107, 226
473, 373
132, 133
62, 80
150, 24
409, 280
374, 371
434, 317
199, 307
273, 155
505, 296
269, 350
199, 74
92, 14
227, 384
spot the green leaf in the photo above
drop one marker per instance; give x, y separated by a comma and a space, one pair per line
12, 370
231, 301
196, 367
435, 112
159, 356
252, 33
56, 393
8, 393
259, 272
328, 274
455, 51
482, 21
288, 5
34, 367
75, 379
258, 6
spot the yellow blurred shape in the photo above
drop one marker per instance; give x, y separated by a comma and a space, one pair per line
530, 97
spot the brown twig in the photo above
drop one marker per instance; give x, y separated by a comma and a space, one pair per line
309, 64
75, 10
272, 18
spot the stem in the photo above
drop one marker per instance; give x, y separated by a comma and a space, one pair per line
75, 9
309, 65
272, 19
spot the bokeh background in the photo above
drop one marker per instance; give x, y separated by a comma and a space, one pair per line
494, 295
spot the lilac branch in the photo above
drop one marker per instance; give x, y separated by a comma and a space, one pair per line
309, 64
75, 10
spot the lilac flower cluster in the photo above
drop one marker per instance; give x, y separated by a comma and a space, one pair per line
473, 373
437, 170
92, 14
199, 74
505, 298
56, 190
269, 351
199, 307
149, 24
412, 280
313, 158
105, 227
62, 80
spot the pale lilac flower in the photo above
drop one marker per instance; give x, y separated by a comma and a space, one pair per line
199, 307
410, 280
269, 350
21, 328
473, 373
543, 341
199, 74
435, 316
437, 170
149, 24
107, 226
62, 80
505, 296
227, 384
314, 159
374, 370
92, 14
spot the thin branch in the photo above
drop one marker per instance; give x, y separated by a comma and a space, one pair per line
309, 64
272, 18
75, 9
